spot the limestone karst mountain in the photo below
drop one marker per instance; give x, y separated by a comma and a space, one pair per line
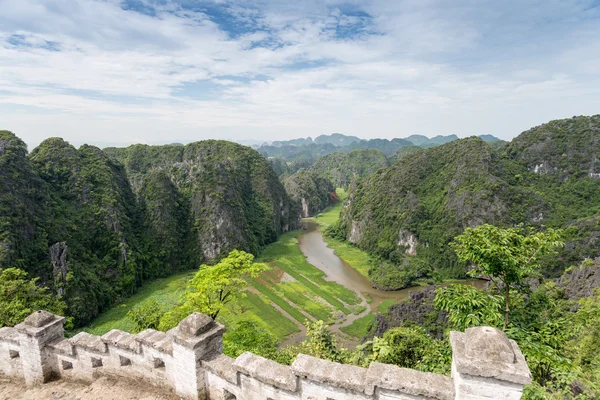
408, 213
94, 225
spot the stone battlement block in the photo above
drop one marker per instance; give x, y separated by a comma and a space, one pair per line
338, 375
89, 342
266, 371
409, 381
9, 335
122, 340
487, 352
222, 366
157, 340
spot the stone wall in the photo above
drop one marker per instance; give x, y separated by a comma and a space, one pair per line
188, 359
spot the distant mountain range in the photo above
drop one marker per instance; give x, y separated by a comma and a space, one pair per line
309, 149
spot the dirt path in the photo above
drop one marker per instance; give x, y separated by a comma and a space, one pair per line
102, 389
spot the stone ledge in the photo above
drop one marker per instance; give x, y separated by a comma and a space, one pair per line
515, 372
335, 374
89, 342
64, 347
10, 335
266, 371
122, 340
157, 340
409, 381
222, 366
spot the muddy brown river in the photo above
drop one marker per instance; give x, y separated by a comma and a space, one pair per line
317, 252
321, 256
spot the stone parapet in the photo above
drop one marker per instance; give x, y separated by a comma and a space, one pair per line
189, 360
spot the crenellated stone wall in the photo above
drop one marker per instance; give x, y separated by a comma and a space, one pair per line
188, 360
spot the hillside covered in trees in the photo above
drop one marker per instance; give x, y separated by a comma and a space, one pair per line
93, 225
406, 215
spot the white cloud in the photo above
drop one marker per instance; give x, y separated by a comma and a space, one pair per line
91, 71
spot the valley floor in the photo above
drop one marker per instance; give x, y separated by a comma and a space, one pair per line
283, 300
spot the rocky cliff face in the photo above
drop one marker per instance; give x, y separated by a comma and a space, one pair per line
342, 168
418, 309
410, 212
582, 281
310, 191
24, 200
95, 245
94, 230
234, 197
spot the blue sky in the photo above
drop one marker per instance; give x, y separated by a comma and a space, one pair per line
112, 72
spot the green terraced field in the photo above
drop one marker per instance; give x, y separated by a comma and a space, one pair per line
292, 285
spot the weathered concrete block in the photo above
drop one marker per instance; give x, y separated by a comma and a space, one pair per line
266, 371
38, 330
122, 340
408, 381
222, 367
338, 375
485, 363
196, 338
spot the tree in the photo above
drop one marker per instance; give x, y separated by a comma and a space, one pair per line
215, 286
321, 343
468, 307
146, 315
20, 296
508, 256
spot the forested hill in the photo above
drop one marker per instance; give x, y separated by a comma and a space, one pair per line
234, 197
342, 168
408, 213
94, 230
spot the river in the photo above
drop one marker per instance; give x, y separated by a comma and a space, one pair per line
317, 252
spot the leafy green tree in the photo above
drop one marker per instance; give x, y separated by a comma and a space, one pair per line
321, 343
249, 336
215, 286
408, 347
146, 315
507, 255
20, 296
467, 306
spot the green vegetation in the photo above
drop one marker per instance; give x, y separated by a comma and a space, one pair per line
342, 168
214, 287
508, 256
167, 292
406, 215
94, 225
385, 305
312, 192
360, 327
20, 296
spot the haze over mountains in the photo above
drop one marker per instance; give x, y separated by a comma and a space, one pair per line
322, 145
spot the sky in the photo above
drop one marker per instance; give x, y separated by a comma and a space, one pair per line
110, 72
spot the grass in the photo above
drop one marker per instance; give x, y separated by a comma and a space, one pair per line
385, 305
287, 256
332, 214
272, 296
360, 327
258, 309
309, 293
167, 291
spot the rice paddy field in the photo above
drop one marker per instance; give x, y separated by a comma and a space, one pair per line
282, 300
